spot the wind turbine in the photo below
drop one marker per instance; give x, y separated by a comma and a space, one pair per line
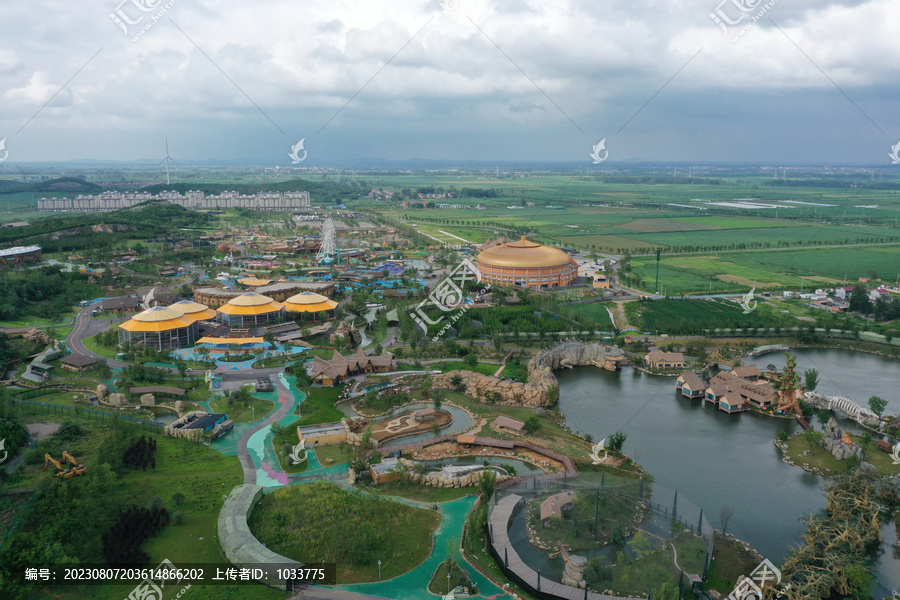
166, 160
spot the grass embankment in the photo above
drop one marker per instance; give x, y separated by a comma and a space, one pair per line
441, 584
91, 344
415, 491
338, 453
256, 408
818, 457
320, 522
318, 407
730, 561
188, 477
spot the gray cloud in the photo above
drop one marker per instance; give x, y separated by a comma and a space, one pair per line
449, 93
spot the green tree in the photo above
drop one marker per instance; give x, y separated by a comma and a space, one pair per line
471, 360
533, 424
487, 482
814, 438
616, 441
811, 379
877, 405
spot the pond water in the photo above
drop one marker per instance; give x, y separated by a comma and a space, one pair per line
720, 460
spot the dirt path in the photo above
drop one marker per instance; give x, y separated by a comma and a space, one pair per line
621, 319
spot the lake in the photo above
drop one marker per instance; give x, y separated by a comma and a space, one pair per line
719, 460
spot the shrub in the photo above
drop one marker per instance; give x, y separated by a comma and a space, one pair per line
177, 498
783, 435
178, 517
69, 431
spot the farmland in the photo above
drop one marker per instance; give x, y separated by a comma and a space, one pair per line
690, 316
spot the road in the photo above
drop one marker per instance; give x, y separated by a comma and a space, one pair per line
87, 327
243, 454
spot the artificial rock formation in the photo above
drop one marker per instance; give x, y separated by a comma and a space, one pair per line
102, 392
179, 406
440, 479
838, 442
118, 400
148, 400
574, 573
567, 354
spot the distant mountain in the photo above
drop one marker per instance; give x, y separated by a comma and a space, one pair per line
63, 185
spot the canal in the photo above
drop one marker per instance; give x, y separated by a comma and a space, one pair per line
720, 460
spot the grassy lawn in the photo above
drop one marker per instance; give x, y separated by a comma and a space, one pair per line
483, 368
277, 361
416, 491
187, 468
439, 583
730, 561
821, 459
257, 408
91, 344
318, 406
339, 453
320, 522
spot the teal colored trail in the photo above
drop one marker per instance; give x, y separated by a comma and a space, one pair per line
414, 585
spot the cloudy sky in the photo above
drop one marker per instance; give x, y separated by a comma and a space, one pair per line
776, 82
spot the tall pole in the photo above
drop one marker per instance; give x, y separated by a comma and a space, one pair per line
675, 506
658, 250
596, 513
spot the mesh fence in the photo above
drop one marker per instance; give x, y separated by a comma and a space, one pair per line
635, 537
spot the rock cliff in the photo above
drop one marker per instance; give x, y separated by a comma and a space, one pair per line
539, 391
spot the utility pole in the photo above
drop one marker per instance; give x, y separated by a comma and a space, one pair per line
658, 250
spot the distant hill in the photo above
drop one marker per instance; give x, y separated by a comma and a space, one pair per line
63, 184
293, 185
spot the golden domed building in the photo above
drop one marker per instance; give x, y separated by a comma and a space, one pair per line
160, 327
527, 264
195, 310
249, 310
309, 305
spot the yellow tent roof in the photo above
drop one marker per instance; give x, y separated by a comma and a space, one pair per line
250, 299
525, 254
157, 319
250, 303
196, 310
305, 302
157, 313
254, 281
213, 341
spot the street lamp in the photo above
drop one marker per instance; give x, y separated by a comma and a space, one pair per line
449, 568
379, 568
252, 413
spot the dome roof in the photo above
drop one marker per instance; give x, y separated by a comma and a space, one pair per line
250, 299
307, 298
194, 309
309, 302
188, 307
250, 303
525, 254
157, 314
158, 318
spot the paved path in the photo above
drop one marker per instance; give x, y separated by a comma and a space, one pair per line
86, 327
243, 454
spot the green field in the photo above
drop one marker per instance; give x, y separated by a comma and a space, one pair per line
690, 316
319, 522
735, 272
